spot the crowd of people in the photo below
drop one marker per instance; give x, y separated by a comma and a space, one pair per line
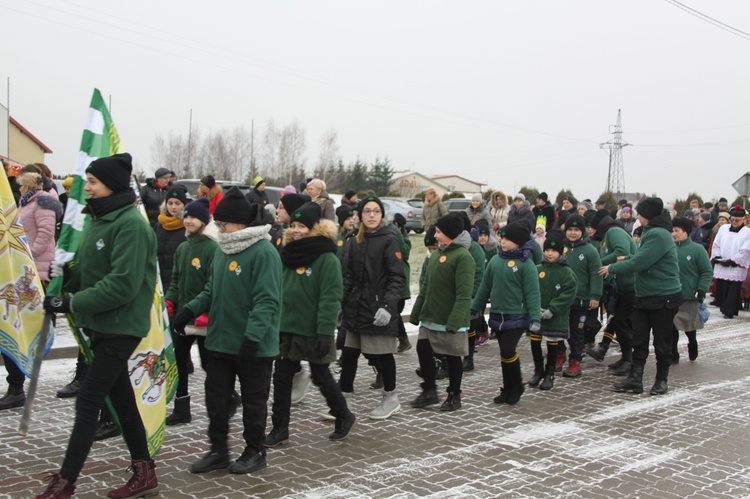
265, 291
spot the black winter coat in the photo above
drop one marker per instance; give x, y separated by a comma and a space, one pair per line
257, 197
152, 197
373, 278
167, 242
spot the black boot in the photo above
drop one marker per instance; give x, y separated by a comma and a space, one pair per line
106, 429
549, 378
378, 383
15, 397
513, 382
633, 383
442, 371
451, 403
181, 413
71, 389
468, 364
598, 352
536, 353
692, 345
427, 397
660, 387
537, 377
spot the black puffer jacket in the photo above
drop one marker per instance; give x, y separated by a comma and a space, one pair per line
167, 242
257, 197
373, 278
152, 197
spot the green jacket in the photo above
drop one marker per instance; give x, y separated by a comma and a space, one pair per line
445, 298
114, 274
477, 253
583, 259
654, 263
617, 242
695, 268
243, 295
512, 287
311, 294
405, 252
192, 268
557, 287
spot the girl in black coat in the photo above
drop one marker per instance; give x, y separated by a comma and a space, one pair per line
170, 231
374, 282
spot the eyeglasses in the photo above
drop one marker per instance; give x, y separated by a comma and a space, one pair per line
371, 212
222, 226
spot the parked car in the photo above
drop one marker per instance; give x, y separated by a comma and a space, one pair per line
457, 204
412, 215
416, 206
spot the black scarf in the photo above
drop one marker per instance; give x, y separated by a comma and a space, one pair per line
98, 207
303, 252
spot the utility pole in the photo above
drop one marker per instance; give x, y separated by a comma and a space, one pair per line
616, 174
190, 136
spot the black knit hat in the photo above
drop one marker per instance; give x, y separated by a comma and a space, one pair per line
543, 196
518, 232
683, 223
737, 211
178, 192
650, 208
483, 226
234, 207
343, 212
292, 202
198, 209
555, 240
399, 220
576, 221
162, 172
452, 225
429, 236
349, 194
308, 215
208, 181
113, 171
597, 218
369, 199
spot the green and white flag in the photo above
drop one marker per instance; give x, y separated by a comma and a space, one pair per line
152, 367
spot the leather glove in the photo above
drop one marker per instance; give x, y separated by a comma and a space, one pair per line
201, 321
181, 320
547, 314
382, 317
58, 305
731, 263
323, 345
169, 304
723, 263
249, 350
59, 269
535, 326
700, 295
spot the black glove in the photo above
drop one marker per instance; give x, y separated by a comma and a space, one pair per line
57, 305
323, 345
701, 295
249, 350
732, 263
181, 320
724, 263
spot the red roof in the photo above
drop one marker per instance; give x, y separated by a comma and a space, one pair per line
30, 135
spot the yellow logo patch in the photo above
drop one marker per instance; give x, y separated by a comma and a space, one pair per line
300, 270
195, 262
233, 265
443, 259
542, 274
511, 263
340, 243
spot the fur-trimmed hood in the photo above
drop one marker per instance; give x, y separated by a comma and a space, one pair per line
324, 228
493, 204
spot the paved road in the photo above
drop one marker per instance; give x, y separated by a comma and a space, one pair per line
578, 440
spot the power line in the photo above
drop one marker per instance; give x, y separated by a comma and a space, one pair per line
710, 20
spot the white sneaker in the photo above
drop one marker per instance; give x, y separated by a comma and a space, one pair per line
300, 385
388, 406
330, 417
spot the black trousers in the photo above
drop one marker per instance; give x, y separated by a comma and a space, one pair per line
15, 377
107, 375
385, 365
282, 391
182, 346
660, 322
622, 320
728, 296
255, 384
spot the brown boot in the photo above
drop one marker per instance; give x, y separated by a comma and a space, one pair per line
143, 483
57, 488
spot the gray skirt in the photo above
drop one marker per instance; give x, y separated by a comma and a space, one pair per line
375, 344
445, 343
687, 317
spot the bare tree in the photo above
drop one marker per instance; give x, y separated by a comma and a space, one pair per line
291, 150
270, 154
329, 155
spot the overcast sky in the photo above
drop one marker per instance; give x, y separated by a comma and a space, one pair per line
507, 93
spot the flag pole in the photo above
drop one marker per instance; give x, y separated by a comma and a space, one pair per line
35, 369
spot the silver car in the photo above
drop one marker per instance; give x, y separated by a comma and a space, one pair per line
412, 215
